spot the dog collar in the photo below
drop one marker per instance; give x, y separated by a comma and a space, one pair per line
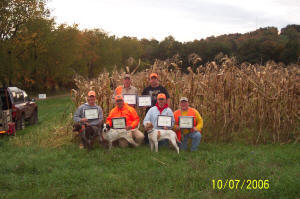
150, 131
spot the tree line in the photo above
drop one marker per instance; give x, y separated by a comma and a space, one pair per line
38, 54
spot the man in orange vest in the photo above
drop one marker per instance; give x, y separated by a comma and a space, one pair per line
132, 120
193, 133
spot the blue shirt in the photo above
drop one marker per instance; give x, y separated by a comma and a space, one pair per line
153, 113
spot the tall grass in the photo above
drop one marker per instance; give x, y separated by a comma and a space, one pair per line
259, 104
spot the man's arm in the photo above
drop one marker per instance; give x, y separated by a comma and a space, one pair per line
199, 121
77, 115
147, 118
108, 119
172, 115
100, 115
135, 119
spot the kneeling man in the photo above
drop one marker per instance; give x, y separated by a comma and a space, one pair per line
132, 120
193, 133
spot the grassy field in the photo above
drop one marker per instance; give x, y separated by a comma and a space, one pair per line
33, 166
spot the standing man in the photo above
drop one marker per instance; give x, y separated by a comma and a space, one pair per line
126, 88
79, 115
154, 89
132, 120
160, 108
193, 133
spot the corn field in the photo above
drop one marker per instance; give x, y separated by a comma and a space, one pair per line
254, 103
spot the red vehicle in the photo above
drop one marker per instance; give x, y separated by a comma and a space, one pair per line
22, 107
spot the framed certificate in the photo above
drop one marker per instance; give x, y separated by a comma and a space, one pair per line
91, 113
186, 122
164, 121
144, 100
119, 123
130, 99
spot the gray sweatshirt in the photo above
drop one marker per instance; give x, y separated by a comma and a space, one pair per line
79, 114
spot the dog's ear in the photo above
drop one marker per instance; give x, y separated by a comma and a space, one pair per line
76, 127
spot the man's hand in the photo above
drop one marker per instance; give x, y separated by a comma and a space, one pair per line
84, 120
194, 129
128, 128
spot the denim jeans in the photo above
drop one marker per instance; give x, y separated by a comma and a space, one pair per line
195, 136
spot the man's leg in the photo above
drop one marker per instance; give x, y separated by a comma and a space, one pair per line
196, 137
184, 141
123, 143
138, 136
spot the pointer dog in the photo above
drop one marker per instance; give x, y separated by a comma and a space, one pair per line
112, 135
156, 135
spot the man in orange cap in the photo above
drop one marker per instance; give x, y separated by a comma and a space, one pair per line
132, 120
83, 115
161, 108
192, 133
154, 89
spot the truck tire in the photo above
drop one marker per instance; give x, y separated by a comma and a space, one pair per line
34, 118
20, 124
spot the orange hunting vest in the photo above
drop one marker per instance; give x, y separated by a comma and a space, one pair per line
191, 112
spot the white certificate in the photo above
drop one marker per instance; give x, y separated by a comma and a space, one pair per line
145, 100
164, 121
130, 99
119, 123
186, 122
91, 113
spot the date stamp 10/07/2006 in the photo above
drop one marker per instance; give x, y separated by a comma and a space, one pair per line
234, 184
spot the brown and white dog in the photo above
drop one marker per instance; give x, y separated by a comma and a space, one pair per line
87, 134
112, 135
156, 135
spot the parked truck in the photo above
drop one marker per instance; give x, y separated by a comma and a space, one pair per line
15, 109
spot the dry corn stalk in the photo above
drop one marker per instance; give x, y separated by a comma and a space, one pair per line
261, 100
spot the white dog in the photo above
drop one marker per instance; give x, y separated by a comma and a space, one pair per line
156, 135
114, 134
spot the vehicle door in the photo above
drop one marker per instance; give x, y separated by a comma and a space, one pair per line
19, 103
29, 105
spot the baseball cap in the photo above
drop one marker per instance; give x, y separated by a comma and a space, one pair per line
153, 75
183, 99
118, 97
126, 76
91, 93
161, 95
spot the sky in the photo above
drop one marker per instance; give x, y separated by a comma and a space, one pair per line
185, 20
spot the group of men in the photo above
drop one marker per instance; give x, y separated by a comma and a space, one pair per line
160, 101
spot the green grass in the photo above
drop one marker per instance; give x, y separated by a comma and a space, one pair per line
30, 170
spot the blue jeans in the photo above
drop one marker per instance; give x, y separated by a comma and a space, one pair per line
195, 136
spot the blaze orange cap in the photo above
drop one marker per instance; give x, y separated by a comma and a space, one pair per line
161, 95
118, 97
153, 75
91, 93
